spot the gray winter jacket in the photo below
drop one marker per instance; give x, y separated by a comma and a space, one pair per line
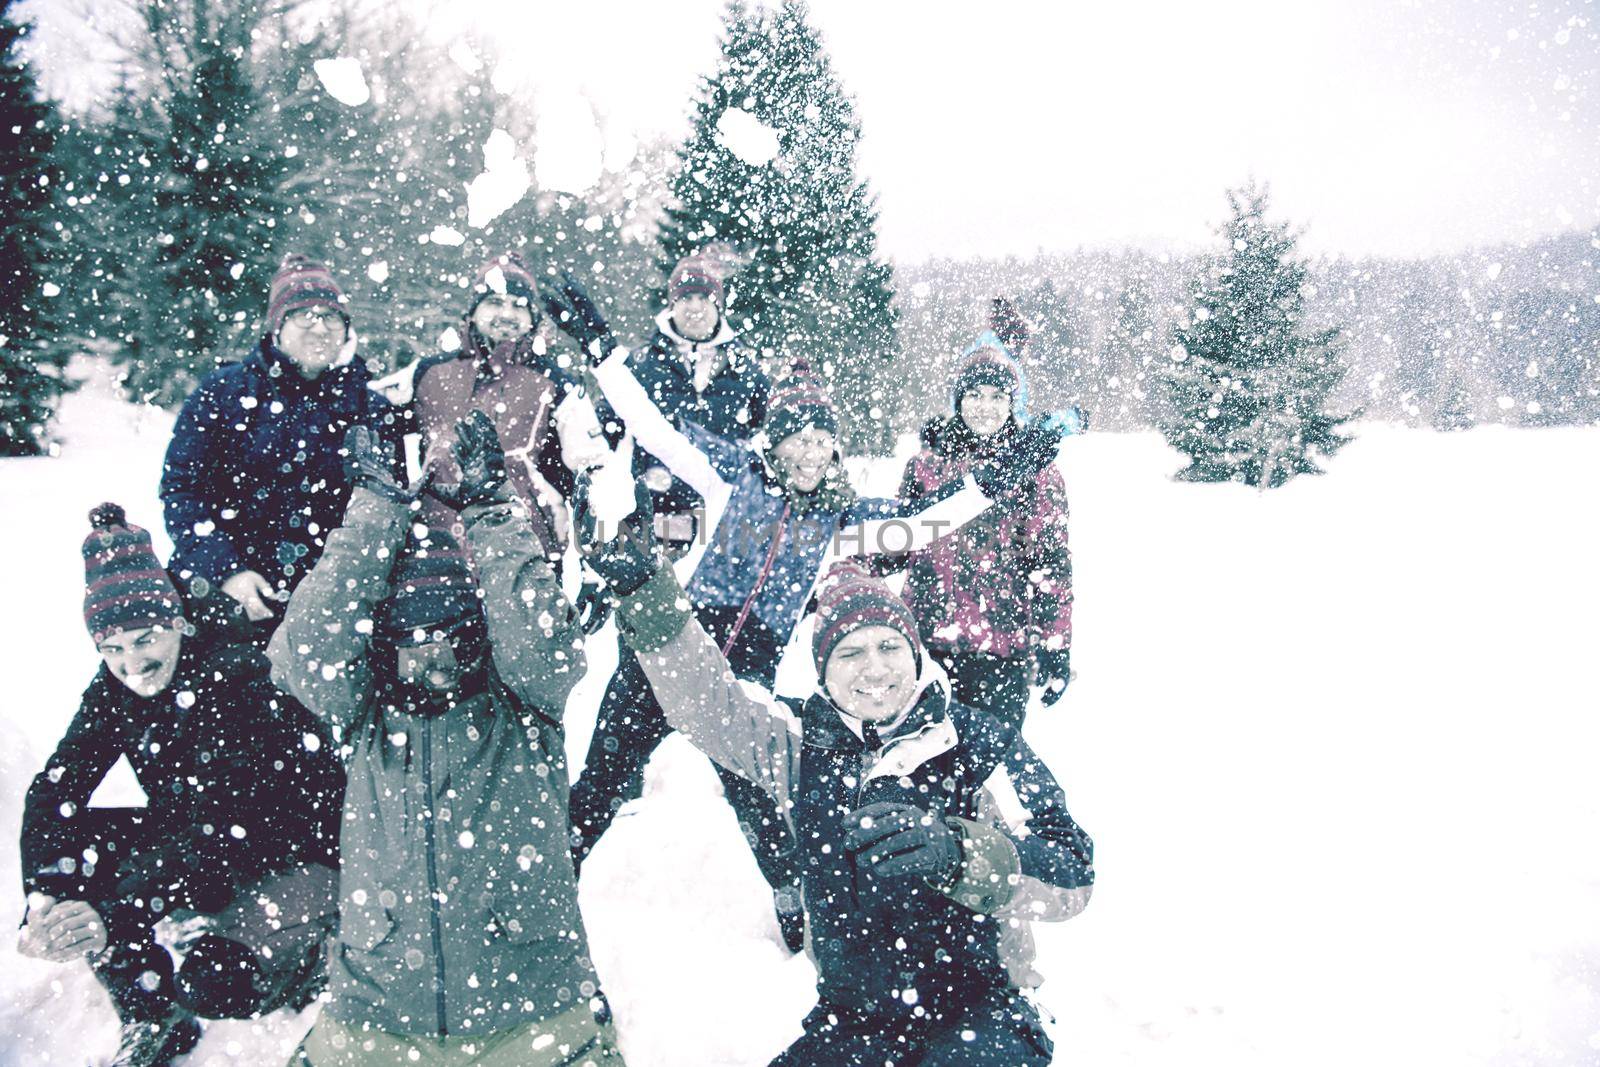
458, 905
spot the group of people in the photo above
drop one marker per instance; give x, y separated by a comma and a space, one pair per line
344, 694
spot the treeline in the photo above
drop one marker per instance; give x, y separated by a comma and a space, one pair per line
1506, 335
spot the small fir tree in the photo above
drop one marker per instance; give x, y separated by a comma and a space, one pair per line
1246, 386
811, 285
31, 379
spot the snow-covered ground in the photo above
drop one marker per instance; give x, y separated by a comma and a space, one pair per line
1335, 744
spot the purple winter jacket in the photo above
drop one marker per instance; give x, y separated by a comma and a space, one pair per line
1002, 584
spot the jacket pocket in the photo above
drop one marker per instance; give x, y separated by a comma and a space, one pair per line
525, 910
365, 927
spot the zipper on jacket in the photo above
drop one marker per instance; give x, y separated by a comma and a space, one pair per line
761, 580
433, 875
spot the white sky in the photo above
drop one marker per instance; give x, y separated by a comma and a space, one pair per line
1010, 126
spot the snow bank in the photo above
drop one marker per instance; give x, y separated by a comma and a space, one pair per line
1334, 742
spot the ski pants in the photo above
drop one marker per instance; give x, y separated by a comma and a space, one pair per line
994, 684
256, 954
631, 724
1001, 1030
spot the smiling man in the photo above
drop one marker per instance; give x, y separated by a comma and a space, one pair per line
253, 480
241, 822
888, 786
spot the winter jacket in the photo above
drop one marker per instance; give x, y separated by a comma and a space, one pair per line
1002, 584
883, 947
767, 550
731, 404
549, 432
253, 478
458, 905
241, 781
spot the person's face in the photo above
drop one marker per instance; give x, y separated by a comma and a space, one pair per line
431, 666
985, 409
805, 455
695, 316
311, 338
871, 673
144, 660
501, 317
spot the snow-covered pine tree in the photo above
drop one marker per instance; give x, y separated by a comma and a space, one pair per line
812, 285
193, 241
1127, 361
1246, 386
31, 378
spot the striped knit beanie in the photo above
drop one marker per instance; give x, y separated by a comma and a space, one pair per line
508, 274
693, 276
800, 400
848, 598
125, 586
431, 588
301, 282
986, 362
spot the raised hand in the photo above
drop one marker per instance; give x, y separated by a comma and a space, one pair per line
369, 464
482, 461
628, 559
576, 314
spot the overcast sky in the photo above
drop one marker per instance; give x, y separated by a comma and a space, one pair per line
1008, 126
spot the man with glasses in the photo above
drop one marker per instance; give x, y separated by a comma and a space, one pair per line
253, 480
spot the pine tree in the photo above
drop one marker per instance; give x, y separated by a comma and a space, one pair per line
190, 238
812, 285
31, 364
1247, 386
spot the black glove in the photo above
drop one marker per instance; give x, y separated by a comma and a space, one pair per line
576, 315
369, 464
1055, 671
477, 452
592, 607
1034, 450
629, 559
891, 839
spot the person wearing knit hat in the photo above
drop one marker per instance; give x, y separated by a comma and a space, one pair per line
460, 939
213, 745
995, 599
695, 299
887, 785
253, 479
507, 367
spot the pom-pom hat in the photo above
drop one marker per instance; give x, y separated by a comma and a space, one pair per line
125, 586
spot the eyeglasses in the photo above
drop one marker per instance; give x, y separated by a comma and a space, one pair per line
329, 319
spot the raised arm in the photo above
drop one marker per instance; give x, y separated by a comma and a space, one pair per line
738, 726
319, 651
533, 630
704, 461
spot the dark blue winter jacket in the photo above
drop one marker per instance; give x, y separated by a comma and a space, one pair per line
732, 405
253, 478
885, 947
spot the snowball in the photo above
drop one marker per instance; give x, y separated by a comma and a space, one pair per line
503, 182
464, 57
378, 271
449, 340
747, 137
571, 150
445, 235
342, 79
50, 289
466, 840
